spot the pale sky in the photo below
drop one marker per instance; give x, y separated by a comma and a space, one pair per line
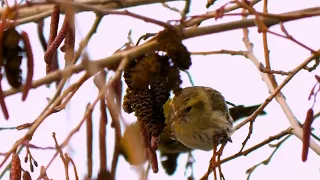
236, 77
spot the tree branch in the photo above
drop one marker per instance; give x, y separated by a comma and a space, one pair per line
152, 45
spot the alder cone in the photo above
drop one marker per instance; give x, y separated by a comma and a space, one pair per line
15, 171
26, 176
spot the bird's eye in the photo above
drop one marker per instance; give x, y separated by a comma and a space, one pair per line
188, 109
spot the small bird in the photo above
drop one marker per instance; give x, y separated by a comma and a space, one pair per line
169, 148
199, 116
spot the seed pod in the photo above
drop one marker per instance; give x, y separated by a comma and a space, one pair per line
171, 43
31, 167
155, 142
26, 176
13, 71
15, 171
141, 103
174, 80
153, 160
35, 163
26, 158
306, 134
140, 74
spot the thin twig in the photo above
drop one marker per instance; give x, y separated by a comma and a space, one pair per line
223, 51
267, 51
267, 161
275, 93
47, 111
115, 114
189, 76
70, 92
249, 7
270, 72
174, 9
291, 38
89, 110
213, 14
185, 10
100, 81
152, 45
73, 164
316, 64
248, 135
257, 146
34, 11
84, 42
252, 121
65, 162
107, 12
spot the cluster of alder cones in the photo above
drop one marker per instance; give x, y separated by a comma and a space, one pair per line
150, 78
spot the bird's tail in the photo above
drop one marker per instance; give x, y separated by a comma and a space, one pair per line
241, 111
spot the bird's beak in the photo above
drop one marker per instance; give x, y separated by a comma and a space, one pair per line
172, 136
172, 124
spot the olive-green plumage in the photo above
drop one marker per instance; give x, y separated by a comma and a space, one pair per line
169, 148
199, 114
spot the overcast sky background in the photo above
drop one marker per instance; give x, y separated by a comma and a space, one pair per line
236, 77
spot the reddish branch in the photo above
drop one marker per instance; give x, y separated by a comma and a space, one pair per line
52, 60
2, 25
41, 38
55, 16
89, 144
120, 57
189, 33
115, 113
269, 71
100, 81
52, 48
30, 66
2, 102
291, 38
149, 153
108, 11
308, 122
306, 134
70, 37
153, 160
102, 135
